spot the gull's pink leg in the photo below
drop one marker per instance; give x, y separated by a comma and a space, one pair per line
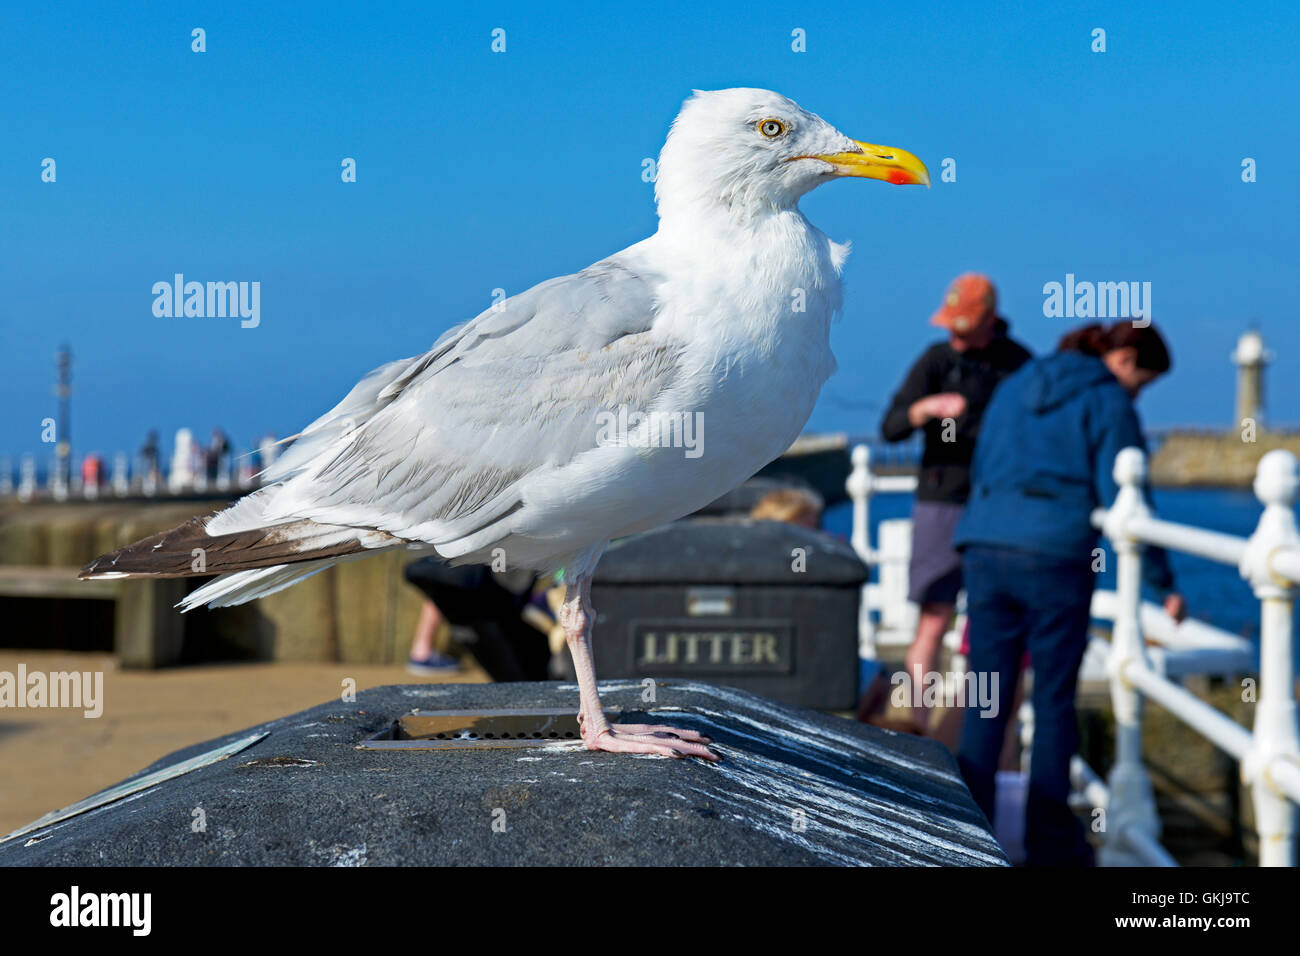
597, 734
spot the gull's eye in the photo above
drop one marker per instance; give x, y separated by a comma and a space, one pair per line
771, 128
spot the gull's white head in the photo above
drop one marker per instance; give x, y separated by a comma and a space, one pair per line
749, 151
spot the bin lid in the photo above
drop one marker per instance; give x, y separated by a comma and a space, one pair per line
731, 551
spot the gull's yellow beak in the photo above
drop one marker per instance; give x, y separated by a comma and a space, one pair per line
896, 166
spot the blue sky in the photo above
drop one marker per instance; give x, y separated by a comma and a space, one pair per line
478, 170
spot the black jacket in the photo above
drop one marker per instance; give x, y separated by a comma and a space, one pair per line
945, 465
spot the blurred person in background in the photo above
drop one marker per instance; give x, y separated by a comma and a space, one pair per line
945, 394
1043, 464
494, 605
214, 457
151, 472
92, 474
791, 505
425, 658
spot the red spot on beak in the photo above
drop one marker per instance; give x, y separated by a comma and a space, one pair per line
900, 178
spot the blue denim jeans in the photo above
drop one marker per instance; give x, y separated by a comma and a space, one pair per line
1020, 601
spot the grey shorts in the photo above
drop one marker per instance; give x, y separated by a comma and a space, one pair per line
934, 573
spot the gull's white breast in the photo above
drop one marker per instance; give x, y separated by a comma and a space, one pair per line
753, 318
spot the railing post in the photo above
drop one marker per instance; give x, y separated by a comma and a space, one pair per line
1277, 724
1132, 802
27, 478
858, 486
1026, 718
58, 481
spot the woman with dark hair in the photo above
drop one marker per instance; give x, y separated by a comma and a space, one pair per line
1042, 464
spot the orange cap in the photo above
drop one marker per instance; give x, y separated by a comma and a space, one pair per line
970, 301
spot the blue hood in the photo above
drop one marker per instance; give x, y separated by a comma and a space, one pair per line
1055, 379
1044, 460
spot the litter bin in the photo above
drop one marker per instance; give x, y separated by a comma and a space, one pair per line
764, 606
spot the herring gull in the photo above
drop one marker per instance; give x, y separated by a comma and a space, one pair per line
511, 439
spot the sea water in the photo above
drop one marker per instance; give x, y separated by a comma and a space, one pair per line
1215, 593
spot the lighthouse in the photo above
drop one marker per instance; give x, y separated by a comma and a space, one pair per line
1250, 358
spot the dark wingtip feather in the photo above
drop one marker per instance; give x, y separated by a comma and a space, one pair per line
165, 554
171, 554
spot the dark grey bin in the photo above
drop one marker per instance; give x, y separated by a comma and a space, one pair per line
721, 600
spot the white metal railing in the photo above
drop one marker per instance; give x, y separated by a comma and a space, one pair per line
1269, 561
862, 484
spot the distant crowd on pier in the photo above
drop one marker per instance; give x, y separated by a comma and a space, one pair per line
193, 468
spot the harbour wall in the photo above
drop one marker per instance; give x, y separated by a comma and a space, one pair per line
361, 611
1191, 458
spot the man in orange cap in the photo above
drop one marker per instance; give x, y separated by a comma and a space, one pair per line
945, 394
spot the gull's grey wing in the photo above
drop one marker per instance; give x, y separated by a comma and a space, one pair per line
586, 310
437, 447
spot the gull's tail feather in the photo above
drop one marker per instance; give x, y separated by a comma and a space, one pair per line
240, 587
190, 551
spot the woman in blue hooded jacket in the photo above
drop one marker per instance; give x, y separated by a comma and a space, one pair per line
1042, 464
